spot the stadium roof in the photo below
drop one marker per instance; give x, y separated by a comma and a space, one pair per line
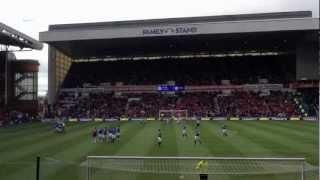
203, 19
211, 33
12, 37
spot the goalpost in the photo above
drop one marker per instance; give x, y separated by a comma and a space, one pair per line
168, 114
135, 167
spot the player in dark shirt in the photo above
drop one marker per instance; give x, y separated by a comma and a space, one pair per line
159, 133
159, 140
197, 138
94, 135
184, 131
118, 133
224, 130
59, 127
198, 123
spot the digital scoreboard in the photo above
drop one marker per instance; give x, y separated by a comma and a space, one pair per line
171, 88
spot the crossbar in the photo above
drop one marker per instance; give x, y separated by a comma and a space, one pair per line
197, 158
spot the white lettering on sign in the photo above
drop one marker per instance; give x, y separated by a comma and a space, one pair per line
164, 31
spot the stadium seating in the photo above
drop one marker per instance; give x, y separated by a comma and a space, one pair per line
194, 72
237, 104
2, 118
310, 100
2, 87
203, 71
94, 105
13, 117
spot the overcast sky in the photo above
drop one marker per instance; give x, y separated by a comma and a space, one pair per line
33, 16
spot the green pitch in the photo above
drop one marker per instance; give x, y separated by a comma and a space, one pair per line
63, 155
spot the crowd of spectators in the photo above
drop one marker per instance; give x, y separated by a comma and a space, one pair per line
93, 105
2, 87
3, 117
235, 104
310, 99
251, 104
200, 71
13, 117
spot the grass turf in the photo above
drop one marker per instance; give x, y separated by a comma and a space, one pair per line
63, 155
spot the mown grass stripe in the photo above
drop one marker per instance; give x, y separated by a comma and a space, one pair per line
55, 140
43, 134
308, 139
214, 143
280, 145
242, 147
168, 148
24, 130
289, 128
56, 143
66, 171
239, 145
20, 127
246, 139
286, 136
309, 128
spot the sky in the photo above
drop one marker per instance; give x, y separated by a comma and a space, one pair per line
34, 16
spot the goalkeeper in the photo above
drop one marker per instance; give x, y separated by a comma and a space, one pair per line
202, 167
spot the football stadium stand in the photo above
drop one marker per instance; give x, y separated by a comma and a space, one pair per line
18, 78
238, 66
236, 104
200, 71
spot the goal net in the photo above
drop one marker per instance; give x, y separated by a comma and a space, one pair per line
167, 168
173, 114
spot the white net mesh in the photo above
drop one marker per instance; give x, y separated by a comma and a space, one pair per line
292, 168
